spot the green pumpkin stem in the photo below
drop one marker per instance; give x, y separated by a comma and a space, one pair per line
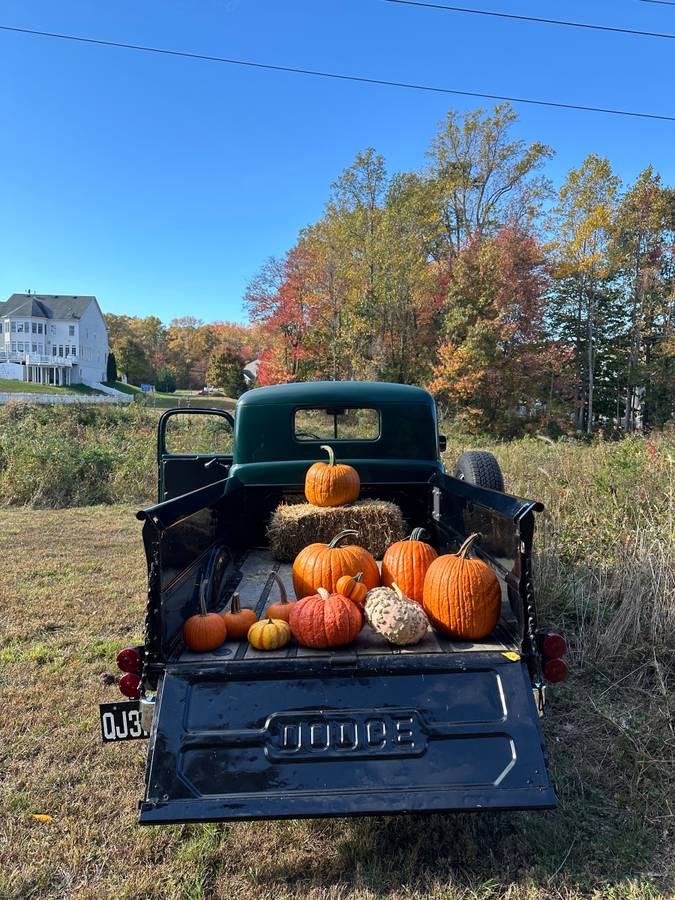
202, 597
417, 534
338, 537
282, 589
358, 576
330, 452
235, 605
466, 546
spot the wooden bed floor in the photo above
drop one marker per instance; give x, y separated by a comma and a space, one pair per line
257, 590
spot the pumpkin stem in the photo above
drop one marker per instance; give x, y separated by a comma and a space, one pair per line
398, 591
331, 454
202, 597
323, 593
417, 534
338, 537
466, 546
282, 590
235, 605
358, 576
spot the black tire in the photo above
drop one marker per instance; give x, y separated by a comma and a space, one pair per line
481, 468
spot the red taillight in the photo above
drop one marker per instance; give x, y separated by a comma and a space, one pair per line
130, 685
553, 645
555, 670
129, 660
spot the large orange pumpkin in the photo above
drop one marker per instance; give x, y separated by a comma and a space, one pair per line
320, 565
325, 620
462, 596
406, 563
331, 483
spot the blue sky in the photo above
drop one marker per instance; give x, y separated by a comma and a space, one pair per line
161, 185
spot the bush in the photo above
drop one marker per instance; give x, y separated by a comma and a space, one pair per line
165, 380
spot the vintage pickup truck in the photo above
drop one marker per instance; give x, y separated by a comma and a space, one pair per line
365, 729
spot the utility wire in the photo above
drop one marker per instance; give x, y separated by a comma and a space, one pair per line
185, 54
659, 2
568, 24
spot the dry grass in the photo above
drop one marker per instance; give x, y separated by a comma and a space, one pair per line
294, 525
72, 592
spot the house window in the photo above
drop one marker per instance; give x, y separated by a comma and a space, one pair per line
41, 349
19, 327
34, 348
26, 327
20, 346
39, 327
34, 327
13, 346
13, 326
53, 329
60, 349
73, 351
54, 350
67, 350
71, 331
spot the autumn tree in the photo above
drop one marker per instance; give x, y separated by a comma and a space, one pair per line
134, 362
226, 371
582, 222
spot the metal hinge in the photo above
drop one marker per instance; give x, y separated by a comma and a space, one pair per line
539, 691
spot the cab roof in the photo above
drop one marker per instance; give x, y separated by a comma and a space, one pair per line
320, 393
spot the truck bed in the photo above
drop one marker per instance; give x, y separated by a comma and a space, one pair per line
255, 588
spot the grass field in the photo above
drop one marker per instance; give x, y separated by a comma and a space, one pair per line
185, 399
13, 386
72, 593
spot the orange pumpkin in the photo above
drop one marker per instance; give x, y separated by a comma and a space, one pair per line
238, 620
462, 596
351, 586
282, 609
325, 620
406, 563
331, 484
319, 565
205, 631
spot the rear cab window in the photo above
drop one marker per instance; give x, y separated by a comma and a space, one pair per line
336, 424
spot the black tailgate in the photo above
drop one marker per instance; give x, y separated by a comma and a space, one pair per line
380, 735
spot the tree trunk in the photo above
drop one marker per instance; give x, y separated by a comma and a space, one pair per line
589, 350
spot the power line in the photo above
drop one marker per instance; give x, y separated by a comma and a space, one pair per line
568, 24
337, 76
660, 2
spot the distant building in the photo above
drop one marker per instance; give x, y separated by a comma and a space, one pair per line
251, 372
53, 339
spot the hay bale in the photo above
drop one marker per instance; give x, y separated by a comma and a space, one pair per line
294, 525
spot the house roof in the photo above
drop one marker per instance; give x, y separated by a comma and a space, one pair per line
46, 306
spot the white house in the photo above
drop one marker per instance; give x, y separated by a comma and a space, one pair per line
53, 339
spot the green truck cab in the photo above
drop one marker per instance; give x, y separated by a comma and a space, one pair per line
363, 729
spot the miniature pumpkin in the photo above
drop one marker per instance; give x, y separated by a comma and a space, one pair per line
406, 562
238, 620
325, 620
269, 634
396, 617
207, 630
351, 586
462, 596
331, 483
282, 609
320, 565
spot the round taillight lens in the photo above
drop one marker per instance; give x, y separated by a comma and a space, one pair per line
129, 660
555, 670
553, 645
130, 685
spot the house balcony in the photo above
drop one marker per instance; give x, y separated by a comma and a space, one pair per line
37, 359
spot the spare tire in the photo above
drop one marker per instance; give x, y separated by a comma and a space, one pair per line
481, 468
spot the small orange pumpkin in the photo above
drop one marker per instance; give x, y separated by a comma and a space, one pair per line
462, 596
406, 563
331, 484
325, 620
319, 565
207, 630
351, 586
282, 609
238, 620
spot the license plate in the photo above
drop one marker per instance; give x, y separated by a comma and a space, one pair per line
121, 721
